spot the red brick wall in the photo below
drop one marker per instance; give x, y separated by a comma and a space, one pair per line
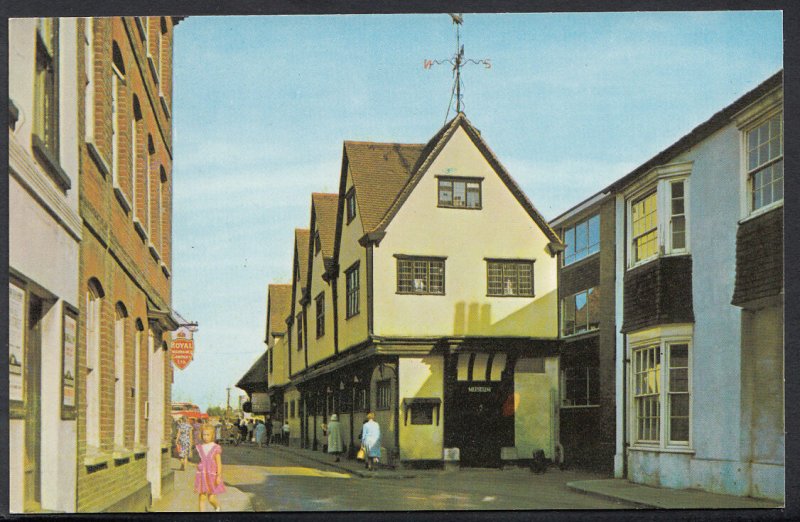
113, 253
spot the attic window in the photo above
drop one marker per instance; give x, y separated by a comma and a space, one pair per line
460, 193
351, 205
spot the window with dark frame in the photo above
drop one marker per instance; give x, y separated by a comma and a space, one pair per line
459, 193
581, 312
320, 302
317, 243
421, 414
582, 240
299, 331
509, 278
420, 275
46, 86
383, 399
352, 281
270, 361
351, 205
362, 404
579, 386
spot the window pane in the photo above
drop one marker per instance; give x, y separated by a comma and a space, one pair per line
594, 234
594, 308
404, 275
495, 274
459, 194
581, 312
473, 195
679, 232
581, 239
569, 239
445, 192
569, 315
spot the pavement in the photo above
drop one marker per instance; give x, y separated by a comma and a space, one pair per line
183, 498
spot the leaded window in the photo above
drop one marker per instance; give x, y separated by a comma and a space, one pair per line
352, 281
459, 193
509, 278
418, 275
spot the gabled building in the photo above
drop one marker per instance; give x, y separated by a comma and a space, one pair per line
442, 321
697, 304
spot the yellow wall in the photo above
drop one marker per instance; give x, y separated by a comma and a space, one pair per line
291, 394
421, 377
280, 373
322, 348
534, 416
501, 229
297, 356
354, 330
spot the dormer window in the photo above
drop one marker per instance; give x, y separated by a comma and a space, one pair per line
351, 205
460, 193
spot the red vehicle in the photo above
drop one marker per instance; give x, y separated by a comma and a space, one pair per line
187, 410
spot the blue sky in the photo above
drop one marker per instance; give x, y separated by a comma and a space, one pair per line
262, 105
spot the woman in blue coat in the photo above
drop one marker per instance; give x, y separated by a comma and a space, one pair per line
371, 440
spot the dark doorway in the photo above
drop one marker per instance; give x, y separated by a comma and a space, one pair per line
478, 424
33, 405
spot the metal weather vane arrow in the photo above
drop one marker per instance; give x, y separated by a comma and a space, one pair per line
457, 61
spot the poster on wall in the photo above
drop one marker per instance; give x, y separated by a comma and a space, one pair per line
69, 363
16, 340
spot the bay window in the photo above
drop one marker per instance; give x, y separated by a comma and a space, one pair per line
765, 163
660, 393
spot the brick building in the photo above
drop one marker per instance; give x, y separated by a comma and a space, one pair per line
125, 145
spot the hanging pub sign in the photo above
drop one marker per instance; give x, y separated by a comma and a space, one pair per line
182, 347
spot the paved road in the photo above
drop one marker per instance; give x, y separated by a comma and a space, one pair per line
280, 481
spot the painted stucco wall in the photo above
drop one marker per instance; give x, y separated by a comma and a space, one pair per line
534, 397
292, 394
353, 330
43, 246
505, 230
319, 348
280, 372
421, 377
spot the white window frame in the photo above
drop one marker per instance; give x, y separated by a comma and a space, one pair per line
93, 318
747, 120
88, 107
119, 378
659, 180
663, 345
137, 408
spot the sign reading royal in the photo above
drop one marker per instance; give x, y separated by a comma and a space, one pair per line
182, 347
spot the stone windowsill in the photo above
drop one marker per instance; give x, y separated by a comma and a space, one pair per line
122, 453
96, 457
50, 164
123, 200
98, 159
153, 69
653, 449
154, 252
137, 225
138, 449
164, 105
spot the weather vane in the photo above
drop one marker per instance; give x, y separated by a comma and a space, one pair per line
457, 61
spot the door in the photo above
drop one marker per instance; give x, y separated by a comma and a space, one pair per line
480, 428
33, 406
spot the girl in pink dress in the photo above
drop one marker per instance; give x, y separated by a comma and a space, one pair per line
208, 478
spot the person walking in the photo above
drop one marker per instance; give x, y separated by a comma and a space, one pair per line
197, 437
335, 443
261, 432
371, 441
208, 481
250, 430
183, 441
268, 426
285, 430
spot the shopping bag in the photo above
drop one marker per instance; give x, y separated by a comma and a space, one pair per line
361, 455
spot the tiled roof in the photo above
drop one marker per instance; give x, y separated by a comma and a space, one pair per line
255, 379
325, 206
431, 151
280, 305
379, 171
